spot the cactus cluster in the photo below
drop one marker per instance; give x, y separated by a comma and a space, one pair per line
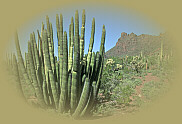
68, 82
118, 66
109, 62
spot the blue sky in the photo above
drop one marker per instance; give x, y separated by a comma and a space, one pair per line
116, 21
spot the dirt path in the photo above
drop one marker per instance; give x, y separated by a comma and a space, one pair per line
132, 108
147, 78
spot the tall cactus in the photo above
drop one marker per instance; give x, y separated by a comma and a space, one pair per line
70, 61
82, 39
91, 45
76, 65
34, 78
84, 98
64, 87
60, 56
69, 81
17, 76
22, 67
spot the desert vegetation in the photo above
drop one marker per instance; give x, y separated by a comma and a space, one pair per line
131, 82
88, 85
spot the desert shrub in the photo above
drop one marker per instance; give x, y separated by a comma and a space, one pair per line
138, 82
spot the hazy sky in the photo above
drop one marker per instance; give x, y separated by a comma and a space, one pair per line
116, 21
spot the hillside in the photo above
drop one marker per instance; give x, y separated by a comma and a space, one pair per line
131, 44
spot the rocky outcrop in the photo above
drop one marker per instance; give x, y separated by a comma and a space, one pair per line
131, 44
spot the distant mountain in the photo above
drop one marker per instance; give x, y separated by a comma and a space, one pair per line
131, 44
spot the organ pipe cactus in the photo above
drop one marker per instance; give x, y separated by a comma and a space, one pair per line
70, 81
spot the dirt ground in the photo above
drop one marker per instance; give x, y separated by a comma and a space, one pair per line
131, 108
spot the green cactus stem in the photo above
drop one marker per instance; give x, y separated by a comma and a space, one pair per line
22, 67
64, 87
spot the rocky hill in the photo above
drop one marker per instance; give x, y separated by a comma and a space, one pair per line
131, 44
